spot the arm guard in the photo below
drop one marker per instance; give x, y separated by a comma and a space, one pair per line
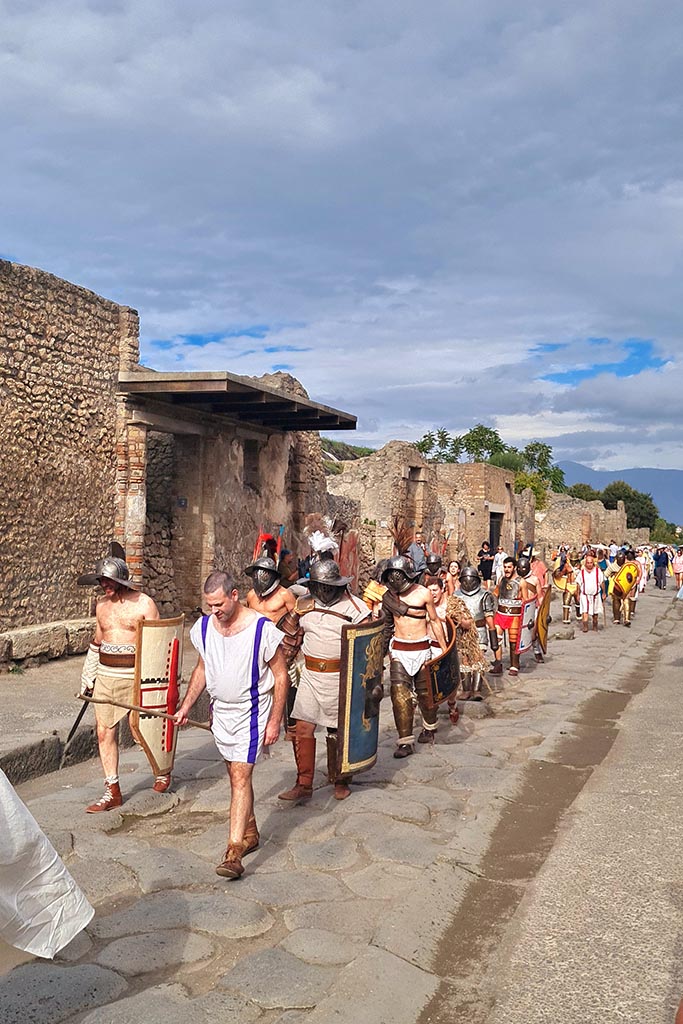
493, 639
294, 635
388, 605
90, 666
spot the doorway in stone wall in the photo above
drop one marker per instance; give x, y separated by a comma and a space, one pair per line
172, 558
495, 529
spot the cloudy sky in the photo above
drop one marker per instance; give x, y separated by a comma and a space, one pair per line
432, 214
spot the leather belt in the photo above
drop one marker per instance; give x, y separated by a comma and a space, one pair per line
117, 660
407, 645
322, 664
479, 623
510, 609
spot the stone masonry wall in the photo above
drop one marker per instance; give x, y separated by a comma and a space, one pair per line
60, 352
476, 489
572, 521
158, 567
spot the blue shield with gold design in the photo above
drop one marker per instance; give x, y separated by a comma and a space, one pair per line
360, 691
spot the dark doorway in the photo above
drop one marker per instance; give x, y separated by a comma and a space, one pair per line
495, 529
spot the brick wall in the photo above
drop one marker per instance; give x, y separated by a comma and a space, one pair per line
60, 349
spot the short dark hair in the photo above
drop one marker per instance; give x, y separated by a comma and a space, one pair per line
509, 559
219, 580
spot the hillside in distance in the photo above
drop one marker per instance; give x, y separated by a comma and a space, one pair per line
665, 485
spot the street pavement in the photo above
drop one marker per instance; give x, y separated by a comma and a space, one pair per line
439, 891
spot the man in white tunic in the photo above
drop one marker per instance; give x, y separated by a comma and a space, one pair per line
242, 666
590, 580
321, 617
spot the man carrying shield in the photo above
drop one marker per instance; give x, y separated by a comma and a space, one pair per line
512, 592
242, 666
109, 669
319, 620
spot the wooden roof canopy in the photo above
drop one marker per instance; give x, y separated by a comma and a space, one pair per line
241, 398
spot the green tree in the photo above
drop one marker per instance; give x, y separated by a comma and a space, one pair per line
537, 484
440, 446
538, 457
640, 508
509, 459
664, 532
481, 442
585, 492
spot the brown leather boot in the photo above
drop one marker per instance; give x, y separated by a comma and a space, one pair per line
304, 754
251, 837
112, 798
231, 866
162, 783
496, 669
595, 623
514, 664
340, 782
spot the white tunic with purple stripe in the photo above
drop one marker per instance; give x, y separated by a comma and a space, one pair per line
239, 682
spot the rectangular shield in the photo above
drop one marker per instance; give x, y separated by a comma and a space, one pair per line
444, 671
361, 670
542, 620
158, 660
526, 626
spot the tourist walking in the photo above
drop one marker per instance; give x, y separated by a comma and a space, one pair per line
241, 664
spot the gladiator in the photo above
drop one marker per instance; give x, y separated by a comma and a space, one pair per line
534, 590
481, 606
622, 596
512, 591
406, 606
565, 579
316, 623
109, 668
590, 580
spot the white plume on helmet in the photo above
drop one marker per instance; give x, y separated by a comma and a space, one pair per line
320, 542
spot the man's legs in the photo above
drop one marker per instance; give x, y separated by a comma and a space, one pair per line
241, 815
108, 744
402, 703
303, 742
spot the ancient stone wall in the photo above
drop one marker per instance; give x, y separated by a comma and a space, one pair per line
569, 520
158, 566
60, 351
469, 493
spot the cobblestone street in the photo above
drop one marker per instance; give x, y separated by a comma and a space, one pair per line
382, 908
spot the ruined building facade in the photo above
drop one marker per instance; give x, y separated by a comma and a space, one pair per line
184, 470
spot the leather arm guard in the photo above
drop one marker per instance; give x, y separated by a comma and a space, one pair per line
89, 672
294, 635
493, 639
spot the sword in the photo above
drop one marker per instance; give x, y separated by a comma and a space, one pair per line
136, 707
71, 735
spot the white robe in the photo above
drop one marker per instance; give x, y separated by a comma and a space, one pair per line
41, 907
590, 582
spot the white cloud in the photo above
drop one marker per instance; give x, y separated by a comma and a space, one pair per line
428, 191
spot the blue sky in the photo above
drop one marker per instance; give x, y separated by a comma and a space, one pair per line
430, 214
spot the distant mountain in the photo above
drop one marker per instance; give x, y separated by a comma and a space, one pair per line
665, 485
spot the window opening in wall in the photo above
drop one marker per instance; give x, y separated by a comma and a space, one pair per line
495, 528
250, 473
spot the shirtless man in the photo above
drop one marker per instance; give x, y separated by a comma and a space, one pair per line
268, 597
407, 606
109, 668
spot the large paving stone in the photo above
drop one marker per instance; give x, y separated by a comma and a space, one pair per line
146, 804
287, 889
382, 881
170, 1004
428, 917
356, 918
275, 979
392, 802
166, 868
30, 641
40, 993
387, 839
316, 946
218, 913
213, 799
434, 798
329, 855
297, 824
154, 951
377, 988
102, 880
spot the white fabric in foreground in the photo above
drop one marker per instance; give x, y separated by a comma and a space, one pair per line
41, 907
